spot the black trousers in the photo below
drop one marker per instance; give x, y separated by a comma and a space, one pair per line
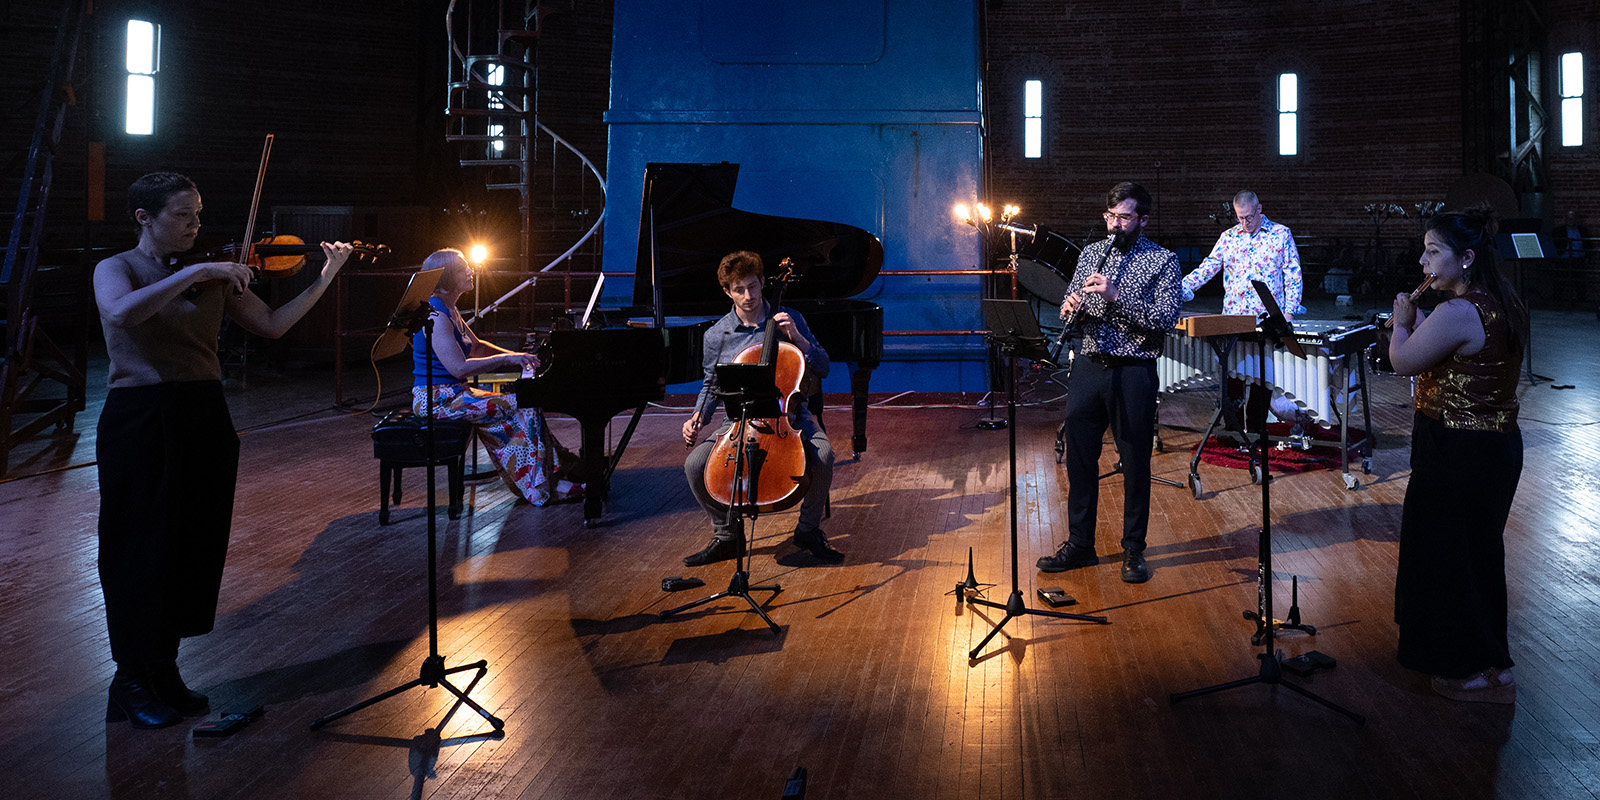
1121, 394
1450, 587
168, 458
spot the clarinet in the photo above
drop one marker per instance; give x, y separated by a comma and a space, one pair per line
1072, 318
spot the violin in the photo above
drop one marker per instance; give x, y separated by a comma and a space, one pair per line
274, 256
774, 455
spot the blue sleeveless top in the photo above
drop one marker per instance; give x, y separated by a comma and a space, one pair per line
420, 355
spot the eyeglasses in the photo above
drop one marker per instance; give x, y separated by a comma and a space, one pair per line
1109, 215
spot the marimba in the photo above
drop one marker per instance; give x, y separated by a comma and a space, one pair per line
1206, 349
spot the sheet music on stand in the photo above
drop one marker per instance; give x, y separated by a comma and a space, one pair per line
1274, 323
1011, 322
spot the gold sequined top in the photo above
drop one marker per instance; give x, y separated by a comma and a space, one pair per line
1476, 392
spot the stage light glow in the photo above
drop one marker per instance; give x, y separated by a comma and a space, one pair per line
478, 254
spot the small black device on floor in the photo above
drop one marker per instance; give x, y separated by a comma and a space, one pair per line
231, 722
1307, 663
1056, 596
677, 584
795, 787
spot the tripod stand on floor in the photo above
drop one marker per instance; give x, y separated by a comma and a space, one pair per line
750, 391
433, 672
1014, 330
1271, 670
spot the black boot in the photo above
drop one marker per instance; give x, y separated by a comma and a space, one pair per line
133, 699
169, 686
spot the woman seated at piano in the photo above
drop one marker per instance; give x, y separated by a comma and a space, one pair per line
527, 456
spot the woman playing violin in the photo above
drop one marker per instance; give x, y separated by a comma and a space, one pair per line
166, 448
527, 456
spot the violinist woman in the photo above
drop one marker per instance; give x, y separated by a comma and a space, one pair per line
528, 457
742, 275
166, 449
1466, 459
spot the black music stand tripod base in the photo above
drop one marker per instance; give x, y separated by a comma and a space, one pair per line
1014, 606
433, 672
738, 586
1014, 331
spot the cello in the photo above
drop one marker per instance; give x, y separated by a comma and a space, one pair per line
769, 449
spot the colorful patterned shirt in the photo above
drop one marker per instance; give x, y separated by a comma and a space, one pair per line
1268, 255
1147, 303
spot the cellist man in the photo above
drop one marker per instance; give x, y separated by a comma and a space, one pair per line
742, 276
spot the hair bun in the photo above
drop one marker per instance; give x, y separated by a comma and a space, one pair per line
1482, 217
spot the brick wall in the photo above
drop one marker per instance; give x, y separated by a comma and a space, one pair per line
1180, 97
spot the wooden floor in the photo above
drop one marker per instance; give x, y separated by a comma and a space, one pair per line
868, 685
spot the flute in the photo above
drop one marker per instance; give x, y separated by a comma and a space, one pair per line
1415, 293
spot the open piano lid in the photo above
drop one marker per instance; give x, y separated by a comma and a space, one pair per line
696, 225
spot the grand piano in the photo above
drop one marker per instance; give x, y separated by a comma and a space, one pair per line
687, 224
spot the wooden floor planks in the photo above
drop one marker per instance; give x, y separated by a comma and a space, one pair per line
868, 684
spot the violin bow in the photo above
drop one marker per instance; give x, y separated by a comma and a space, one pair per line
255, 203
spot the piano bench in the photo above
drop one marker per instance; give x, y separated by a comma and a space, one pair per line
398, 442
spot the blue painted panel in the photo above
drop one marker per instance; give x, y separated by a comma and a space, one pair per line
887, 147
741, 32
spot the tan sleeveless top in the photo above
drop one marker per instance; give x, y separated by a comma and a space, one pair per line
1476, 392
177, 343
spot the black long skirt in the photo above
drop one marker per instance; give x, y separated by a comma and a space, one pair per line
1450, 589
168, 457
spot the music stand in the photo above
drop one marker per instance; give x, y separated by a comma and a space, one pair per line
1520, 247
1273, 325
750, 391
410, 318
1014, 330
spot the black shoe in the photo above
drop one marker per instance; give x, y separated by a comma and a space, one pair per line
718, 550
132, 699
169, 686
815, 542
1133, 568
1069, 556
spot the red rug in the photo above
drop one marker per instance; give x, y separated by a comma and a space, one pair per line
1323, 453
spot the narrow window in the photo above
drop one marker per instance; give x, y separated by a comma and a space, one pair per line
1288, 114
143, 59
1033, 119
1571, 99
497, 77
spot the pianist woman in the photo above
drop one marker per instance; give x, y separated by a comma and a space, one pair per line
1466, 459
166, 450
529, 459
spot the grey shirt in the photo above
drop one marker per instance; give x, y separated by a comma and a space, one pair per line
727, 337
177, 343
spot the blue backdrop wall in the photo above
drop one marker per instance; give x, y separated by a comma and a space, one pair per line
865, 113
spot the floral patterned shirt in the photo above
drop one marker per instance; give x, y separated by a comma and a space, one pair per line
1147, 303
1268, 255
